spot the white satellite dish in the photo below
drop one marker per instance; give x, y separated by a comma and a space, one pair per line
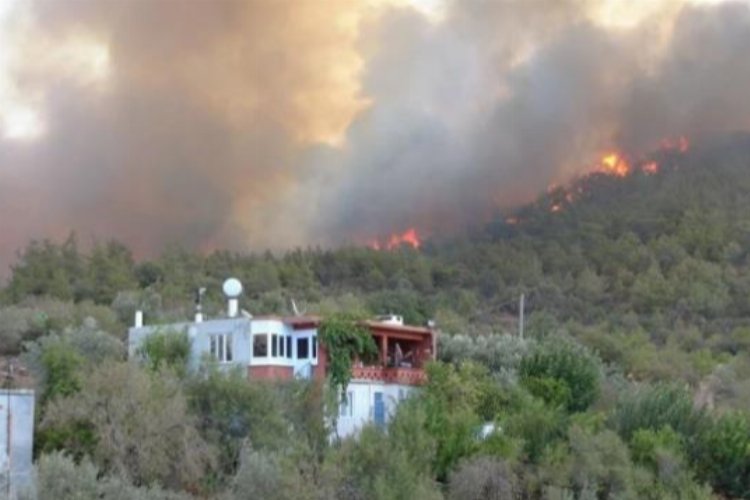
232, 288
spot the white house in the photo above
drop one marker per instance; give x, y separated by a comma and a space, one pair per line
278, 348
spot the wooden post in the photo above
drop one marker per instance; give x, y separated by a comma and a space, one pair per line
384, 350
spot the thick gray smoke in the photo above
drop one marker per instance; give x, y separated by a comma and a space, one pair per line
272, 124
460, 130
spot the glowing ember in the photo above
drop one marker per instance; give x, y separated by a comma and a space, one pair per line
650, 168
680, 144
614, 164
409, 237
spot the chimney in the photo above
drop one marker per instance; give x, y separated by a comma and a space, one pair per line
199, 304
138, 319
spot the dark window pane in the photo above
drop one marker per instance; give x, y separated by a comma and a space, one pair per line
274, 345
260, 345
315, 347
289, 346
302, 348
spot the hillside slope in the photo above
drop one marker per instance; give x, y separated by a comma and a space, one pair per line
661, 258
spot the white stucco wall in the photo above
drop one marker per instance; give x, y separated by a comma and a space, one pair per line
363, 393
16, 440
240, 333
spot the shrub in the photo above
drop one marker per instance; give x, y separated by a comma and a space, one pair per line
166, 349
482, 478
562, 372
58, 476
656, 407
722, 454
140, 423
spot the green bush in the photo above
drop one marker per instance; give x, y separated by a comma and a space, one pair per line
722, 454
166, 348
656, 407
562, 372
58, 476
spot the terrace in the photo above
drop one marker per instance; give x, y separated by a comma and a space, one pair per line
402, 354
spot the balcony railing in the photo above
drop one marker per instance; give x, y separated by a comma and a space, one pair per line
401, 375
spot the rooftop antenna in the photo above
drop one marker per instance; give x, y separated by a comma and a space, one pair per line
295, 309
232, 290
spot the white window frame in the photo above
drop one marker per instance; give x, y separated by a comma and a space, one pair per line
346, 408
220, 347
274, 345
308, 354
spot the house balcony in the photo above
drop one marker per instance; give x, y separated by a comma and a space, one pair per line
390, 375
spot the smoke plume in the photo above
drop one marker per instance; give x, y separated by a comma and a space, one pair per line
254, 125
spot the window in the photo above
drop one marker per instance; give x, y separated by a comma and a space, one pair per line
346, 409
289, 346
302, 348
315, 347
281, 346
221, 347
274, 345
260, 345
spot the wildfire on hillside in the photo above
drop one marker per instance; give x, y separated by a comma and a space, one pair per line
409, 237
560, 196
614, 163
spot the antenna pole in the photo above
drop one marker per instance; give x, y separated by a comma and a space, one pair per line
521, 305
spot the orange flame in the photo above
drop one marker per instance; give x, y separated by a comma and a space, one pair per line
614, 164
409, 237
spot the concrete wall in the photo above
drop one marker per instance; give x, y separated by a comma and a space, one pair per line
363, 393
16, 440
240, 333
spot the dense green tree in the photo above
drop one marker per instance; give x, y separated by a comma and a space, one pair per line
656, 407
562, 373
722, 454
229, 410
166, 349
140, 423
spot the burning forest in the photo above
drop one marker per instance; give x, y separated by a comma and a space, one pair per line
247, 126
375, 249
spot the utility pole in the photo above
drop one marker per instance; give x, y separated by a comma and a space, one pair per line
520, 315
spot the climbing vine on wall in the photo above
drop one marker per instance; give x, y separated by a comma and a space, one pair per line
345, 337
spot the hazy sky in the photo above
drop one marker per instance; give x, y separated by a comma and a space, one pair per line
268, 124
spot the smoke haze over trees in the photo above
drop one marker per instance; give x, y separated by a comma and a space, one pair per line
633, 380
254, 125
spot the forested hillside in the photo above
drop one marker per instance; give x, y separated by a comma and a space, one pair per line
638, 306
658, 257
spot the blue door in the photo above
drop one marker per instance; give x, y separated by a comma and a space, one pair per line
379, 409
